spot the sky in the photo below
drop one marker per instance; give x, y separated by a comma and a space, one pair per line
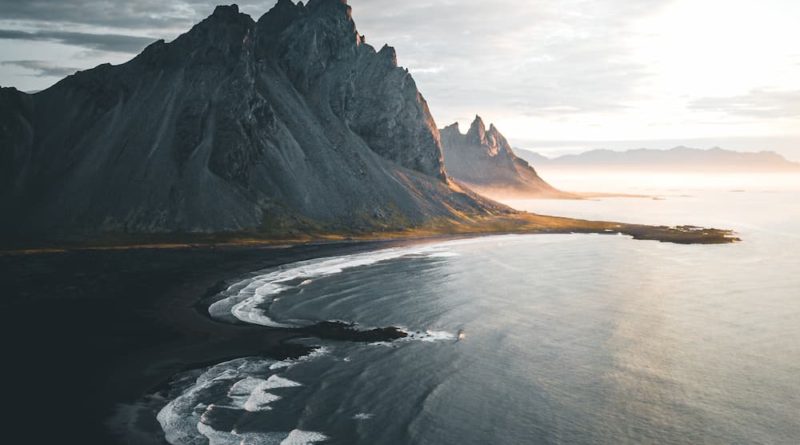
556, 76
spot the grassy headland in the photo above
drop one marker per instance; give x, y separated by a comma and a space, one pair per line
511, 223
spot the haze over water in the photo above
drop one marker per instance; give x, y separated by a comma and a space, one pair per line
565, 338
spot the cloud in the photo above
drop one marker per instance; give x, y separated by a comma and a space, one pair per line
759, 103
534, 58
102, 42
160, 16
140, 14
540, 58
41, 68
108, 25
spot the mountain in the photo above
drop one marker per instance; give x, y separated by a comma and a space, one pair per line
678, 158
484, 161
291, 122
531, 156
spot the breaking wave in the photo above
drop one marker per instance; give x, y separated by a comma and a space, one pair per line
249, 300
208, 408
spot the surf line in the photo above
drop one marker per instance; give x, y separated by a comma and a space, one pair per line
249, 300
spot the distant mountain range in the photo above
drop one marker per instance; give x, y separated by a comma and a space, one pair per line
483, 160
284, 124
678, 158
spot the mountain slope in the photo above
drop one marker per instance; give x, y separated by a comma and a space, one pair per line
286, 123
678, 158
484, 161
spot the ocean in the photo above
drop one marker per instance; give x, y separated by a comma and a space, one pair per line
531, 339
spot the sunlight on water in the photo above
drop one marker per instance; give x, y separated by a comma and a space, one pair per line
580, 339
742, 202
667, 183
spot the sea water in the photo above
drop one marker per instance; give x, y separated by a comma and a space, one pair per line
579, 339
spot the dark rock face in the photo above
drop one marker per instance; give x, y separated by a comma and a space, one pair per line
336, 330
483, 159
236, 125
16, 136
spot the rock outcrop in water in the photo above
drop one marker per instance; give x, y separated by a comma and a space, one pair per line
285, 123
483, 160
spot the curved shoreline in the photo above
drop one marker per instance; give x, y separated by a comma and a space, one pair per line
521, 223
127, 320
119, 324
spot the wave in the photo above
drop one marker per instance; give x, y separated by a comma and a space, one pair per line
300, 437
249, 300
208, 404
207, 409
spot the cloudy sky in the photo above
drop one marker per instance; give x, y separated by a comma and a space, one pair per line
554, 75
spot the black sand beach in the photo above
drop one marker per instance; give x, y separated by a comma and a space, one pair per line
88, 333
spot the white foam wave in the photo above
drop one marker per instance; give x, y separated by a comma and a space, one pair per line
233, 438
316, 353
275, 382
259, 400
179, 418
438, 336
429, 336
251, 393
234, 385
249, 300
299, 437
244, 387
444, 255
362, 416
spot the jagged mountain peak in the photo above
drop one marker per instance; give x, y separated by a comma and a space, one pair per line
389, 54
235, 125
337, 9
323, 28
330, 5
485, 161
226, 11
477, 127
280, 17
489, 140
453, 128
286, 12
218, 39
477, 132
226, 15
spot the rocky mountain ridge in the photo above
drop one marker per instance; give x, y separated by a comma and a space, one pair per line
291, 122
483, 160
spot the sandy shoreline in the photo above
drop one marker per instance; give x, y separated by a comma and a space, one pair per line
94, 331
115, 324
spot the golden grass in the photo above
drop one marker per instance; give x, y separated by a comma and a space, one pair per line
465, 225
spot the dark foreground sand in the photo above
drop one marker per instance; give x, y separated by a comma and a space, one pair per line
87, 333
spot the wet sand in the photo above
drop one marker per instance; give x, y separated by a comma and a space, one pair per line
88, 333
